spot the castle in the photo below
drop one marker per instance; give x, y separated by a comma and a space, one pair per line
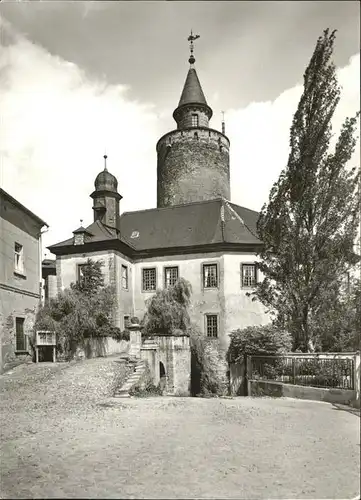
195, 232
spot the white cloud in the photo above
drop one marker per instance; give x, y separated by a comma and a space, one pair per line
56, 124
259, 136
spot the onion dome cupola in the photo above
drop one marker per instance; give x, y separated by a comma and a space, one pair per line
105, 181
193, 160
106, 198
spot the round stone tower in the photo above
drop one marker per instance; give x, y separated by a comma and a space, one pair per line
193, 160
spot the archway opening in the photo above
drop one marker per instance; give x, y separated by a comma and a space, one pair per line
161, 370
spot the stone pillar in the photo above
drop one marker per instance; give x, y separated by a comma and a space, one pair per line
182, 365
150, 353
175, 354
135, 340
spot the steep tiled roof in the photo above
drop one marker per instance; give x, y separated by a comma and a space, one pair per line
192, 90
95, 232
180, 226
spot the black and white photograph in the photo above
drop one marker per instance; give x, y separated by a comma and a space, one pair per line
180, 249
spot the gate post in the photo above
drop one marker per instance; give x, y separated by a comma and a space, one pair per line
293, 371
247, 373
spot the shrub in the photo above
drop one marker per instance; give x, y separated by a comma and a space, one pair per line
84, 310
143, 392
266, 339
119, 335
209, 367
167, 310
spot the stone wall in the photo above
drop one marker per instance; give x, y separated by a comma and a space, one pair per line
193, 165
174, 353
149, 352
277, 389
15, 305
101, 346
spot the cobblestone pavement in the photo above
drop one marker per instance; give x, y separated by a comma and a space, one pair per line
62, 438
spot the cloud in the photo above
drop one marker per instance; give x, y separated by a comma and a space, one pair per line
259, 135
56, 123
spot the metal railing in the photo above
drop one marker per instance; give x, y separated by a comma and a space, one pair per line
327, 372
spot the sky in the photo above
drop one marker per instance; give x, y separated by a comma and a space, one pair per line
80, 79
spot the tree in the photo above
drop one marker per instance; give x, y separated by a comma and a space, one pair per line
258, 340
91, 278
167, 310
310, 222
338, 328
84, 310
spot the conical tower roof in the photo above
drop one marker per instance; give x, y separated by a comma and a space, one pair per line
192, 90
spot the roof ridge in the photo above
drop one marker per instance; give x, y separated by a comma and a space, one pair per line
241, 206
240, 219
172, 206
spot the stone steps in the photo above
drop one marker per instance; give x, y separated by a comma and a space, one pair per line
139, 368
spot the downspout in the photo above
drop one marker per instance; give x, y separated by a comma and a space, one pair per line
41, 262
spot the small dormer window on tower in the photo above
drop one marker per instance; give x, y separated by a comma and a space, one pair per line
195, 120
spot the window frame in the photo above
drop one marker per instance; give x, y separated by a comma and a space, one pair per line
168, 268
254, 265
78, 267
126, 287
25, 346
213, 315
155, 279
20, 254
195, 118
204, 265
126, 321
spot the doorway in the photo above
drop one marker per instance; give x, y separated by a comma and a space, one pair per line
163, 377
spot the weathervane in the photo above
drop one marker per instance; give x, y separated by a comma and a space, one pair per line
191, 39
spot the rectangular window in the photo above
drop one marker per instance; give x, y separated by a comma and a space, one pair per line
81, 277
20, 335
248, 275
124, 277
195, 121
212, 325
126, 321
19, 258
210, 276
170, 276
149, 280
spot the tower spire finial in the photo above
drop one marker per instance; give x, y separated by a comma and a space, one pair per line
191, 39
105, 162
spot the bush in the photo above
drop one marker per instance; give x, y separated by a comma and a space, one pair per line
144, 392
209, 367
84, 310
266, 339
167, 310
119, 335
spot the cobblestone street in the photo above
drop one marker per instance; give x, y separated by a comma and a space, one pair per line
54, 444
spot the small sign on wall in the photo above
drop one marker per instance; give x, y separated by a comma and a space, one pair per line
45, 337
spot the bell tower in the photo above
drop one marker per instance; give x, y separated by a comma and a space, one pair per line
193, 160
106, 198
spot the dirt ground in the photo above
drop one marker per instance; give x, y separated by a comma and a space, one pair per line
62, 437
